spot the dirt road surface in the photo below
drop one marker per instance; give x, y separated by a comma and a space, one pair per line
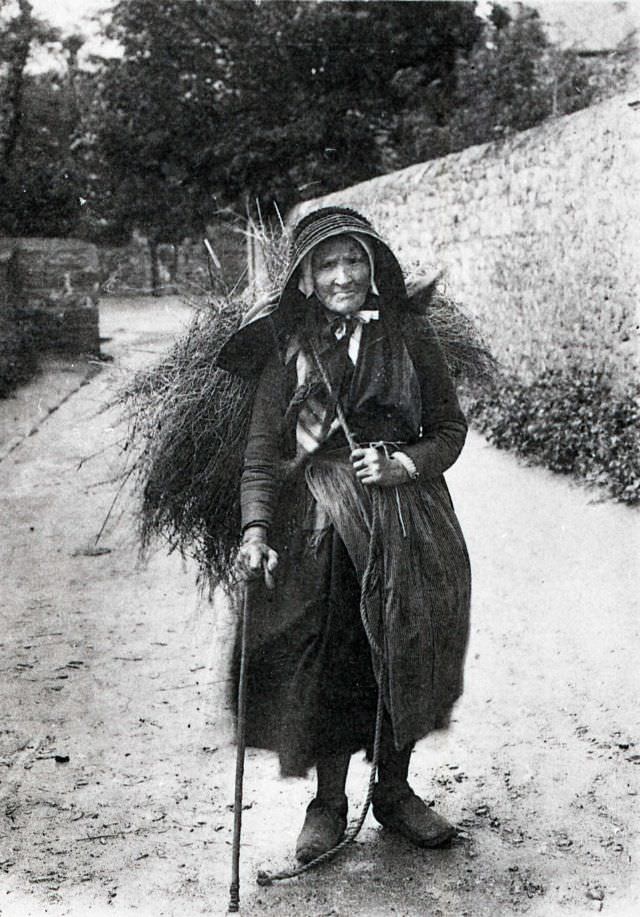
116, 765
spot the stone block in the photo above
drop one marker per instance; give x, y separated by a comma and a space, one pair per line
56, 286
57, 267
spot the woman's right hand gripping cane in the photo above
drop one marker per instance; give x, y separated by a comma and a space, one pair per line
255, 557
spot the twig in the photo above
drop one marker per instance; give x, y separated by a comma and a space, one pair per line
277, 210
20, 748
98, 837
196, 684
118, 492
87, 458
212, 254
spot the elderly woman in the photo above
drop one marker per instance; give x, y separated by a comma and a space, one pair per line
348, 522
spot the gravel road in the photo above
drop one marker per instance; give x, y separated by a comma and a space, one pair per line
116, 765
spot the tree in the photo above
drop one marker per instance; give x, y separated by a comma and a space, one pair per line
43, 188
221, 103
147, 117
318, 108
513, 79
40, 187
217, 103
15, 44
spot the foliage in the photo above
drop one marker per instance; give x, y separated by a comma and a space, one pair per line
512, 80
222, 103
19, 31
40, 186
571, 421
219, 103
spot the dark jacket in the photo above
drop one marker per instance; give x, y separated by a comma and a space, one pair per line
443, 424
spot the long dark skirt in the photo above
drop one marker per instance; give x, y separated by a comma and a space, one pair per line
311, 688
312, 677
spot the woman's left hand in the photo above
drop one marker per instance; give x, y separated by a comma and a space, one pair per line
372, 466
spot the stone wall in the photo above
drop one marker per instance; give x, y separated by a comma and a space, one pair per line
186, 269
538, 235
125, 268
54, 286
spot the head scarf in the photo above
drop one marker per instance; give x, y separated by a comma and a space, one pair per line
323, 224
269, 322
305, 278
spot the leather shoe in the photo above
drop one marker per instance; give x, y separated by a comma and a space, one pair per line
407, 814
323, 828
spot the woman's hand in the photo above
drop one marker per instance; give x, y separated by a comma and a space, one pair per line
372, 466
255, 557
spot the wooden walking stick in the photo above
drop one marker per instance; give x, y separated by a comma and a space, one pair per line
234, 889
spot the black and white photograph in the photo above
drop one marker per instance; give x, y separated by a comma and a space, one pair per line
319, 458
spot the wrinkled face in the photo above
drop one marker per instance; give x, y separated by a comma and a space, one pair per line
341, 274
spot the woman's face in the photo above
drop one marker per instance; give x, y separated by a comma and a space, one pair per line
341, 274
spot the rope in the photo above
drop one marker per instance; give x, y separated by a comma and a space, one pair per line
267, 878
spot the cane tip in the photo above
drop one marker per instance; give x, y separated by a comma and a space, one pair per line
264, 878
233, 908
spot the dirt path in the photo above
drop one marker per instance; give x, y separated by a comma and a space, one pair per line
115, 768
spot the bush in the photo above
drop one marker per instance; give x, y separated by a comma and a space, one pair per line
572, 421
